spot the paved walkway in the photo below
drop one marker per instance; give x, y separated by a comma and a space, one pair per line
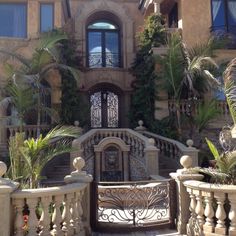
165, 232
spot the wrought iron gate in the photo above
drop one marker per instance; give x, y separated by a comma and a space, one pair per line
130, 206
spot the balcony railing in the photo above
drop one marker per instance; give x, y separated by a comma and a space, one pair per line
108, 59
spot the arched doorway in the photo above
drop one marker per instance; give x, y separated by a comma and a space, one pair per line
104, 109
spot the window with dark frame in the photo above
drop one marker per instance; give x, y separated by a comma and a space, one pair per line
224, 16
46, 17
103, 45
13, 20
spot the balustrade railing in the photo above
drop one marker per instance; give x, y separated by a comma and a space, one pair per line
172, 149
212, 208
48, 211
29, 130
87, 141
190, 107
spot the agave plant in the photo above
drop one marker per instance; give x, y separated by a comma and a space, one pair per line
29, 157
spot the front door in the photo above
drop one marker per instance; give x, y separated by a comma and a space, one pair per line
104, 110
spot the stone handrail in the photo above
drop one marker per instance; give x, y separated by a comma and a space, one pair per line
30, 130
170, 148
212, 208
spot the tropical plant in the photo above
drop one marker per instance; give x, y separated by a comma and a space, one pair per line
143, 68
183, 70
45, 58
30, 156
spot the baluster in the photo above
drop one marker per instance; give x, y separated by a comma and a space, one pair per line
45, 220
33, 220
192, 207
65, 215
220, 214
232, 214
209, 213
70, 214
199, 209
78, 212
19, 220
56, 217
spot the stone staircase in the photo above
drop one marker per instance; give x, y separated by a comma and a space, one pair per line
56, 170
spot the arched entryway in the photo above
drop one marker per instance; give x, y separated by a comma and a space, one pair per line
105, 107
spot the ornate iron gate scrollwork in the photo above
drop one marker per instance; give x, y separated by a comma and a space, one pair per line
130, 206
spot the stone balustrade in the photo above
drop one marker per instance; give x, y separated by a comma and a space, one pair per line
172, 149
55, 210
141, 148
190, 107
45, 211
29, 130
212, 208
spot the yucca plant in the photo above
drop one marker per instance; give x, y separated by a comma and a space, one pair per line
33, 154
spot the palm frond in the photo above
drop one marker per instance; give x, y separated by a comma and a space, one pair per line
17, 56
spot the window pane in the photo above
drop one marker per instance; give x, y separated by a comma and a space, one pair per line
112, 49
218, 14
46, 17
102, 25
232, 16
95, 49
13, 20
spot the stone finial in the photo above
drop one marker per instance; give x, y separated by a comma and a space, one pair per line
78, 175
151, 142
186, 161
140, 127
189, 143
76, 123
78, 164
3, 168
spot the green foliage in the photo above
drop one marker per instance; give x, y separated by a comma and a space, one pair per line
143, 99
73, 107
154, 33
225, 163
28, 157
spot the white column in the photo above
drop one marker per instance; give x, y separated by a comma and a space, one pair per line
157, 6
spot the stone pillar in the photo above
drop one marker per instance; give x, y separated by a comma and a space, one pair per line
126, 165
183, 199
192, 152
80, 176
6, 188
151, 156
97, 166
157, 6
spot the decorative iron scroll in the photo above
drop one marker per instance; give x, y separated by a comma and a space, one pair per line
98, 59
133, 204
96, 110
112, 110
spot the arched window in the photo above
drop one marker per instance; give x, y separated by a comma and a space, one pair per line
103, 45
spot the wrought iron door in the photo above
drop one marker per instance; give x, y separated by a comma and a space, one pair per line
104, 110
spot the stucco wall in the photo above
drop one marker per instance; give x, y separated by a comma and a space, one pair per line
195, 20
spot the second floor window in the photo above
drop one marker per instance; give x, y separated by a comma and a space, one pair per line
224, 15
13, 20
103, 45
46, 17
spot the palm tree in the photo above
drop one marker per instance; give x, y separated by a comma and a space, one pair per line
35, 153
230, 90
183, 69
46, 57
